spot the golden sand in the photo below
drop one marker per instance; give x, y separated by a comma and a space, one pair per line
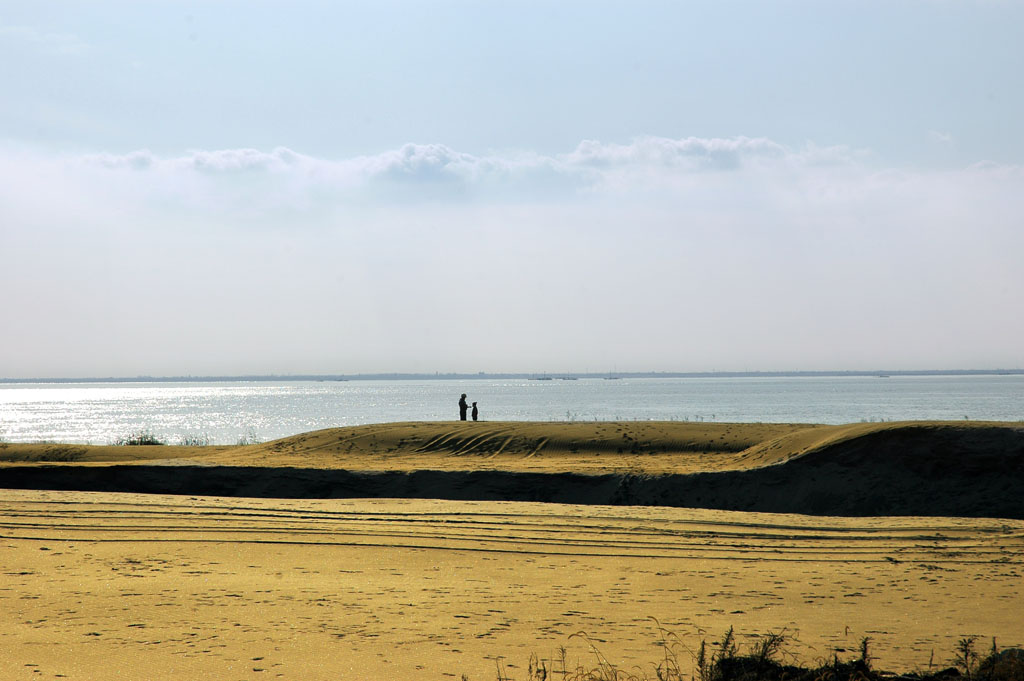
103, 585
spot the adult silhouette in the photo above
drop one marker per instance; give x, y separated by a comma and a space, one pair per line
463, 407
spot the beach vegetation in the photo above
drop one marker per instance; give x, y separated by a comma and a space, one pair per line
966, 657
766, 660
202, 440
139, 437
250, 438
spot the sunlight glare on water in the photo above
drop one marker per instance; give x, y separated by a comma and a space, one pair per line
229, 412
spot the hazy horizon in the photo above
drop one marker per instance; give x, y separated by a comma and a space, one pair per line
248, 188
531, 375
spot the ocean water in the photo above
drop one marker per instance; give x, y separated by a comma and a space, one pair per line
227, 413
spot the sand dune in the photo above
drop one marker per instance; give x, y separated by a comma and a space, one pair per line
236, 576
941, 469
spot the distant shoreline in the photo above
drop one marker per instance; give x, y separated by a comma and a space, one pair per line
519, 376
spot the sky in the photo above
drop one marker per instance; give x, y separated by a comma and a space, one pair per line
250, 187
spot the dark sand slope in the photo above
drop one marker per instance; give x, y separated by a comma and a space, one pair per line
919, 468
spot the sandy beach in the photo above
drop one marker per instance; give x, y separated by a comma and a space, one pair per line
433, 550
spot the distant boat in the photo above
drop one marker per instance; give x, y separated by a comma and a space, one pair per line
541, 378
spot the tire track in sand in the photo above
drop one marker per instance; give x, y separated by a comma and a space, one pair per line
537, 529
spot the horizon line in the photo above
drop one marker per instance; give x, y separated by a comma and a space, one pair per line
543, 375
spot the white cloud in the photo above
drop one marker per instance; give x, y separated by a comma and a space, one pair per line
421, 162
43, 41
589, 167
743, 181
135, 160
689, 254
220, 161
689, 153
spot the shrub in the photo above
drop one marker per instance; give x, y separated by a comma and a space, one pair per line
141, 437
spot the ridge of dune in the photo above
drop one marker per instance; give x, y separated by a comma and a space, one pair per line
929, 447
865, 443
797, 443
593, 447
912, 468
651, 447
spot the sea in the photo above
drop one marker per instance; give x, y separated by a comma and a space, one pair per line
233, 412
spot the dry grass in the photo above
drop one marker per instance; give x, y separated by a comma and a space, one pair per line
766, 660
